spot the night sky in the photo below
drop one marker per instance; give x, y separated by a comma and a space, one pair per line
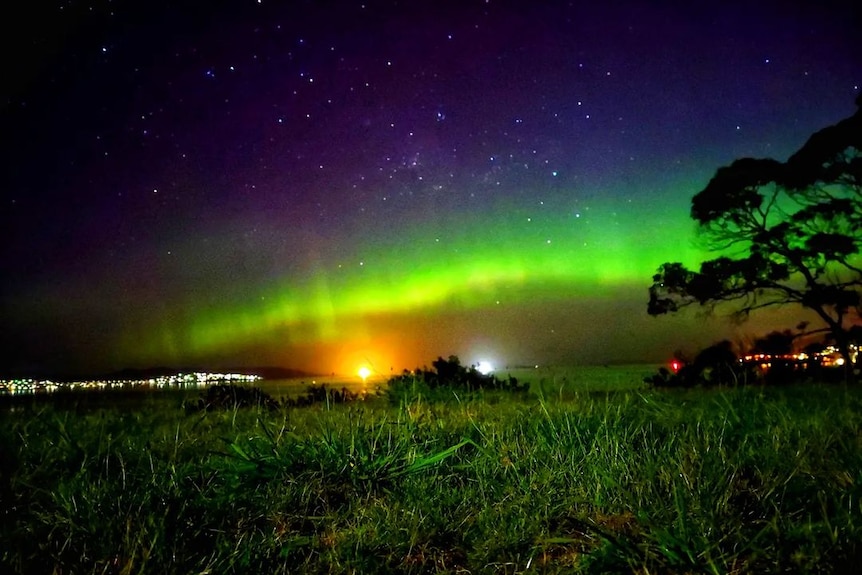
323, 184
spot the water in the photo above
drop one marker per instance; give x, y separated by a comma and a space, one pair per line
295, 387
547, 380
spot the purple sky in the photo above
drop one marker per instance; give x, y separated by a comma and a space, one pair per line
314, 184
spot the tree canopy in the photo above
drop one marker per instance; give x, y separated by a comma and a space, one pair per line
784, 233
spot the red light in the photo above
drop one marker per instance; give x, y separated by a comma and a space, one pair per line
675, 365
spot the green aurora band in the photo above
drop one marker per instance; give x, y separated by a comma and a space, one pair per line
470, 263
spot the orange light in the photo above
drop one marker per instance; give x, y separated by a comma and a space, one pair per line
364, 372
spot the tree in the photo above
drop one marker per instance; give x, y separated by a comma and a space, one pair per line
775, 343
784, 233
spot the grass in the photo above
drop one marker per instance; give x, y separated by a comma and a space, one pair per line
747, 480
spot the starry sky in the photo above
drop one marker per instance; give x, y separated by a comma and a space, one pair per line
322, 184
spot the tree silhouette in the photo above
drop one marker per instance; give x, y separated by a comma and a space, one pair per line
775, 343
784, 233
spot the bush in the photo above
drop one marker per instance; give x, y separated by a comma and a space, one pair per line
448, 376
322, 394
229, 396
714, 365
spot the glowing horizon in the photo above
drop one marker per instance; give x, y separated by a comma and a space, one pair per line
518, 257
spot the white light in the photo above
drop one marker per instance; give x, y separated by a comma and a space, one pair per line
484, 367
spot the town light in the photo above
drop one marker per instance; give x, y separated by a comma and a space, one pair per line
364, 372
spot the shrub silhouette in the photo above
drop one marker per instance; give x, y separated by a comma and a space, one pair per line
714, 365
230, 396
446, 376
322, 394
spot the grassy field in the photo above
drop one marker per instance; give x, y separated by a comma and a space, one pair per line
568, 478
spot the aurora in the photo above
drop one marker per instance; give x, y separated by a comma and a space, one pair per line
378, 185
